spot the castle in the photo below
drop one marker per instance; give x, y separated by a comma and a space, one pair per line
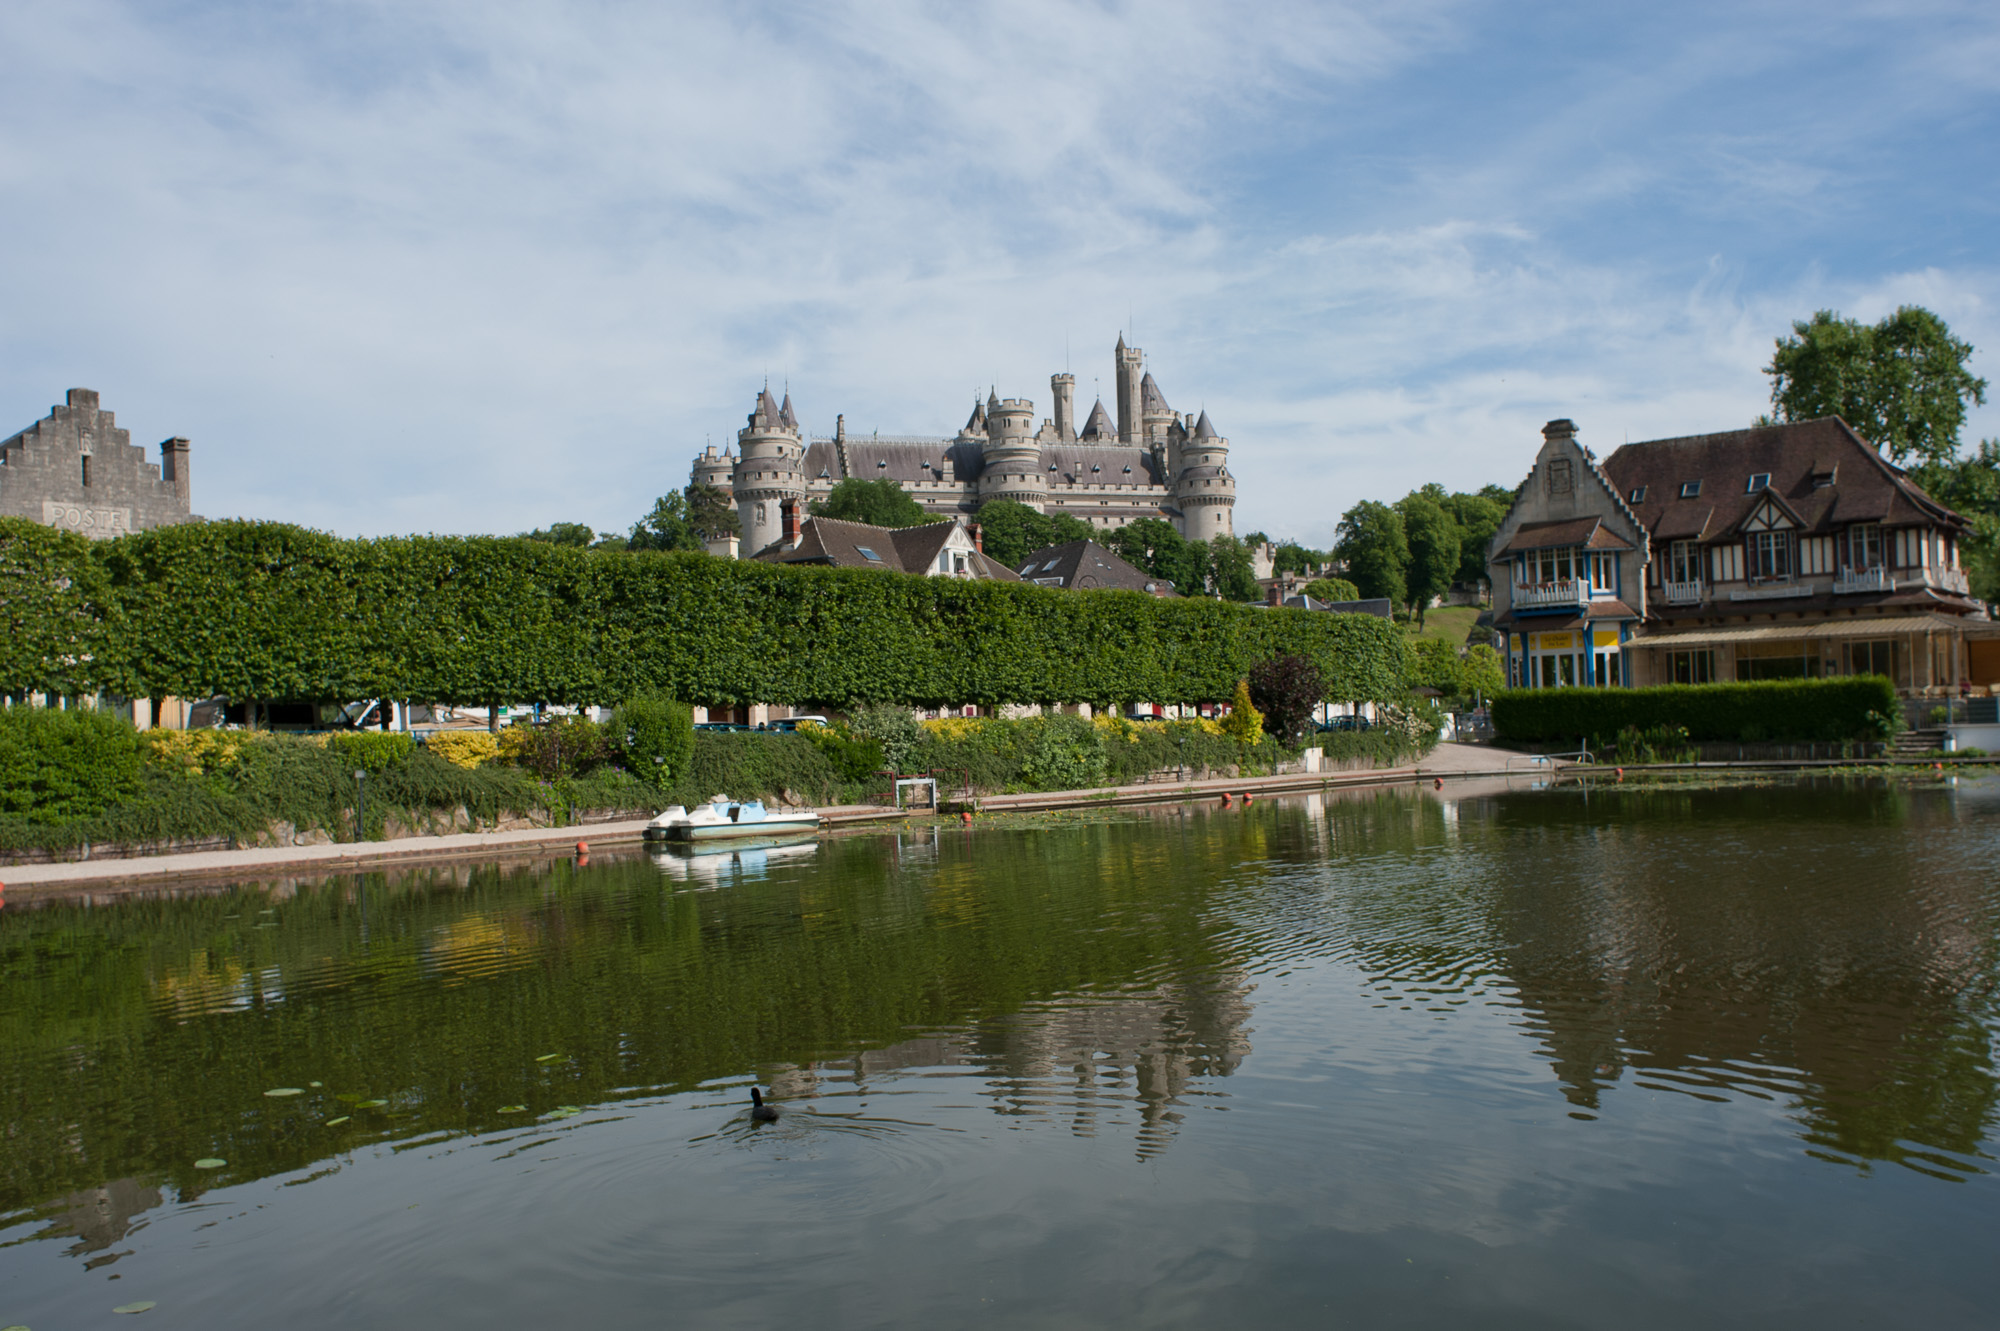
1154, 463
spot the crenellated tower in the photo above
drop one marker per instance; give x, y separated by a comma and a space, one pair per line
1063, 388
1013, 458
1131, 368
1204, 488
769, 471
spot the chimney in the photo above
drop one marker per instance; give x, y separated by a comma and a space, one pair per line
174, 468
790, 508
82, 397
978, 539
1274, 595
1563, 429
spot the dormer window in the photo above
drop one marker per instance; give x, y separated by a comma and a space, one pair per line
1759, 481
1128, 471
882, 463
1822, 477
1638, 495
868, 554
1690, 489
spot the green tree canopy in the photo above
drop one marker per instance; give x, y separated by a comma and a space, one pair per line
1478, 516
1372, 544
1231, 569
562, 533
880, 503
1902, 383
1009, 532
1433, 542
1291, 557
710, 511
1332, 590
668, 527
1154, 545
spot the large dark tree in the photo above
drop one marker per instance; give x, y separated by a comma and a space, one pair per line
1286, 689
1232, 571
1478, 516
1154, 545
667, 527
710, 511
880, 503
1372, 544
562, 533
1902, 383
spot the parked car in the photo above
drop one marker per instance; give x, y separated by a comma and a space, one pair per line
1345, 723
720, 725
789, 725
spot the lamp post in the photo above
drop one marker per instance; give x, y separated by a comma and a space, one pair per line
360, 805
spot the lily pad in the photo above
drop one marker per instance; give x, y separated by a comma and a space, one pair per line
563, 1111
280, 1092
548, 1058
143, 1305
513, 1109
336, 1122
371, 1104
316, 1084
210, 1162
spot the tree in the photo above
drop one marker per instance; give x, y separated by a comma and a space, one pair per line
711, 511
1901, 383
562, 533
879, 503
1231, 569
1009, 532
1155, 546
1332, 589
1286, 689
1372, 545
1478, 516
1433, 540
667, 527
1291, 557
1244, 721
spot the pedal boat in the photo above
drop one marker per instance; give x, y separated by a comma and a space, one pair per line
723, 817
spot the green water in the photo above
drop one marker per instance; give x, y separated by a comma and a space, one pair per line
1632, 1056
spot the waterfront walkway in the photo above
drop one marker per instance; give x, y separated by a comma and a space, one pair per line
1447, 761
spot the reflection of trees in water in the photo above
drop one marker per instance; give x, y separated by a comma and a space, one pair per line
1828, 946
142, 1033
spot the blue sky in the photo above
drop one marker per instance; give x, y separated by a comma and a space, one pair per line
438, 266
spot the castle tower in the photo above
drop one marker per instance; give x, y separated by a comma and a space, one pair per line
714, 469
1131, 366
1063, 386
1204, 489
769, 472
1013, 467
1154, 413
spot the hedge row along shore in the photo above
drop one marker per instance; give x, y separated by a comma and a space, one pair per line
271, 611
1858, 707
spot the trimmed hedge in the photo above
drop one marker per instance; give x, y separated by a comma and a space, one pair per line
269, 611
1778, 710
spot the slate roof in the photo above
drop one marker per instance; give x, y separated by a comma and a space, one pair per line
1099, 425
1150, 397
1856, 483
1202, 429
1085, 565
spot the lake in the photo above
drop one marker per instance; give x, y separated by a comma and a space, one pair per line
1631, 1055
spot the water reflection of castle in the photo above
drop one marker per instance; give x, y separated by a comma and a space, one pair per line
1086, 1061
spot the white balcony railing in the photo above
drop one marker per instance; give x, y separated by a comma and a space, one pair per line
1544, 595
1951, 580
1772, 590
1683, 593
1852, 580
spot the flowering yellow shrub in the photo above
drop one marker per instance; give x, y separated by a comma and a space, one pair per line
1115, 726
199, 750
464, 748
955, 727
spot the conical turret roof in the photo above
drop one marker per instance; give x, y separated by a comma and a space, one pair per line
976, 423
1150, 397
765, 413
1099, 425
785, 417
1202, 429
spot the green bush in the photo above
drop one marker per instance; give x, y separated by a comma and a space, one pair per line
753, 765
56, 765
1779, 710
566, 747
899, 733
371, 750
855, 759
654, 736
1062, 752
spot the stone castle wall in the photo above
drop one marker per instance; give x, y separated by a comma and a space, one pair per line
76, 469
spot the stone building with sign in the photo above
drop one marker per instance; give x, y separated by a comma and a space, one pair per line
1151, 462
76, 469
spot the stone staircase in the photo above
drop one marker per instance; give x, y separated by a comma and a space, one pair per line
1914, 744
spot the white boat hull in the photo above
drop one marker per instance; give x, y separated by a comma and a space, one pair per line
723, 819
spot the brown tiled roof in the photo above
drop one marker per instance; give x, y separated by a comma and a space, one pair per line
1587, 531
1864, 485
903, 549
1086, 565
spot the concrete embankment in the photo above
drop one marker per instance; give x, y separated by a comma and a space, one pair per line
23, 881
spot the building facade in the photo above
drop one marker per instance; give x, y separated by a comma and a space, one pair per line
1152, 462
1778, 552
76, 469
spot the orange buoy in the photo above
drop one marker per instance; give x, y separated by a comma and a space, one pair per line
1225, 797
583, 848
1247, 797
965, 815
1438, 783
1621, 774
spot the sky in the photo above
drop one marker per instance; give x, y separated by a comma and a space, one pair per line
437, 265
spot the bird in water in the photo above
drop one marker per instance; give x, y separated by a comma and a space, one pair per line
759, 1111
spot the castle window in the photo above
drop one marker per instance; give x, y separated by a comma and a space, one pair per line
86, 469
